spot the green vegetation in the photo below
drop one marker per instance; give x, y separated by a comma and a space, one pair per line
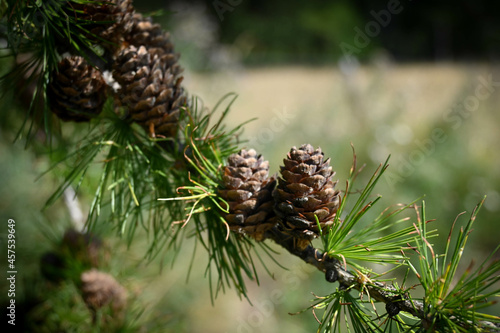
155, 221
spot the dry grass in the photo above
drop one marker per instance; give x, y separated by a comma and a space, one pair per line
325, 104
419, 89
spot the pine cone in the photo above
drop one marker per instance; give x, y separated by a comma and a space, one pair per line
108, 20
99, 289
150, 87
305, 191
247, 188
77, 91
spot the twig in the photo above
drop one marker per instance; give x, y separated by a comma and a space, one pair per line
377, 290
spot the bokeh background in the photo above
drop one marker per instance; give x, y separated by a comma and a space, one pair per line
419, 81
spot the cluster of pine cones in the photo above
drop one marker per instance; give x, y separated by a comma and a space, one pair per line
143, 63
302, 203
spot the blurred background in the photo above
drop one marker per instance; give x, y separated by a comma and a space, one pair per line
416, 80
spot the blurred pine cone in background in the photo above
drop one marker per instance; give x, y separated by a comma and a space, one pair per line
76, 252
100, 289
247, 188
305, 192
86, 248
77, 91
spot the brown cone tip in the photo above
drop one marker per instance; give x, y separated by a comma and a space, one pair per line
247, 188
305, 192
141, 31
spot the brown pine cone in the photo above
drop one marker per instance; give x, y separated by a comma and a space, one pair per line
77, 91
107, 20
150, 87
247, 188
305, 192
99, 289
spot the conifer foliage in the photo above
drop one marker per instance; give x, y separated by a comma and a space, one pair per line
170, 166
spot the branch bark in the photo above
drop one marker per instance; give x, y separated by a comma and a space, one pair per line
377, 290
